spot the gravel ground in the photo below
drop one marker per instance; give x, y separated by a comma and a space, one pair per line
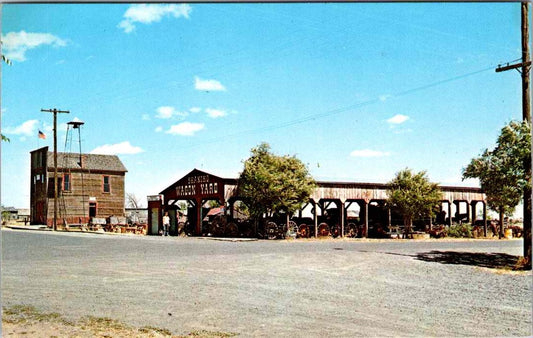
293, 288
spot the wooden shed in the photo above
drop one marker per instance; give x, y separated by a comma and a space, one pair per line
330, 202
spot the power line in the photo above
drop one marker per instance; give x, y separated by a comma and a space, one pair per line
337, 110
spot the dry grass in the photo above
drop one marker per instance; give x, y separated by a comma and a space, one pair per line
26, 320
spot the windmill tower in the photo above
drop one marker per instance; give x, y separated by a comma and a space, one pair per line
73, 160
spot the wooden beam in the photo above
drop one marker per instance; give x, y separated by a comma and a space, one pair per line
515, 66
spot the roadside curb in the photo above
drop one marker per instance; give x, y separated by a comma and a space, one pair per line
47, 229
28, 227
222, 239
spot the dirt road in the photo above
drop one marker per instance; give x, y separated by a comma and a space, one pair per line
338, 288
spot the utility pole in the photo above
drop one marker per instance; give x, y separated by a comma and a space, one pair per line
524, 68
55, 112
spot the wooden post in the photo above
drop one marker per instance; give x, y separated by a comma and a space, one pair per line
315, 219
342, 218
485, 218
449, 213
473, 207
525, 67
526, 94
366, 218
526, 116
55, 111
199, 216
287, 224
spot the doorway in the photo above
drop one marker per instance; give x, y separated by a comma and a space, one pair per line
92, 209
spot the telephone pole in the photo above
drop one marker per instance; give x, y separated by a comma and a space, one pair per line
55, 112
524, 68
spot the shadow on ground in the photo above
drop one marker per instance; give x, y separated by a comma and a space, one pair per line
480, 259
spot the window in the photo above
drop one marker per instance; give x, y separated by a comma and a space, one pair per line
66, 182
107, 186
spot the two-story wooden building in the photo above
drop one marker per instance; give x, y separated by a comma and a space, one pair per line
89, 185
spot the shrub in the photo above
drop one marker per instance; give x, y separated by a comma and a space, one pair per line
460, 230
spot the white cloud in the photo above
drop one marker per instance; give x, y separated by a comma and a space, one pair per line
195, 109
398, 119
214, 113
164, 112
127, 26
158, 129
145, 117
209, 85
368, 153
167, 112
118, 148
15, 44
27, 128
384, 97
148, 13
185, 128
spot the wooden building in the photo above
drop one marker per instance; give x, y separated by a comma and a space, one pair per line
89, 185
197, 187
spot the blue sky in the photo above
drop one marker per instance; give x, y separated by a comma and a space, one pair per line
356, 91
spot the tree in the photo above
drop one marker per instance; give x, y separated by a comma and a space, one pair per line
182, 206
413, 195
132, 201
502, 174
8, 62
271, 184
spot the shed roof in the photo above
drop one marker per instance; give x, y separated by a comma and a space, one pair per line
90, 162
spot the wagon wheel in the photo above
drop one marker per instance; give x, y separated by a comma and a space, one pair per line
293, 228
303, 231
271, 230
293, 225
335, 231
352, 230
218, 226
323, 229
232, 230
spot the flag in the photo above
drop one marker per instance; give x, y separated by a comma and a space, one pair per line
42, 135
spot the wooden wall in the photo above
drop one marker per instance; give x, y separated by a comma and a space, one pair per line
74, 204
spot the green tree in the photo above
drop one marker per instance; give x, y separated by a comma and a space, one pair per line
269, 183
8, 62
182, 206
413, 195
502, 174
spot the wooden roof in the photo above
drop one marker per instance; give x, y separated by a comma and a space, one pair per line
332, 190
94, 162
